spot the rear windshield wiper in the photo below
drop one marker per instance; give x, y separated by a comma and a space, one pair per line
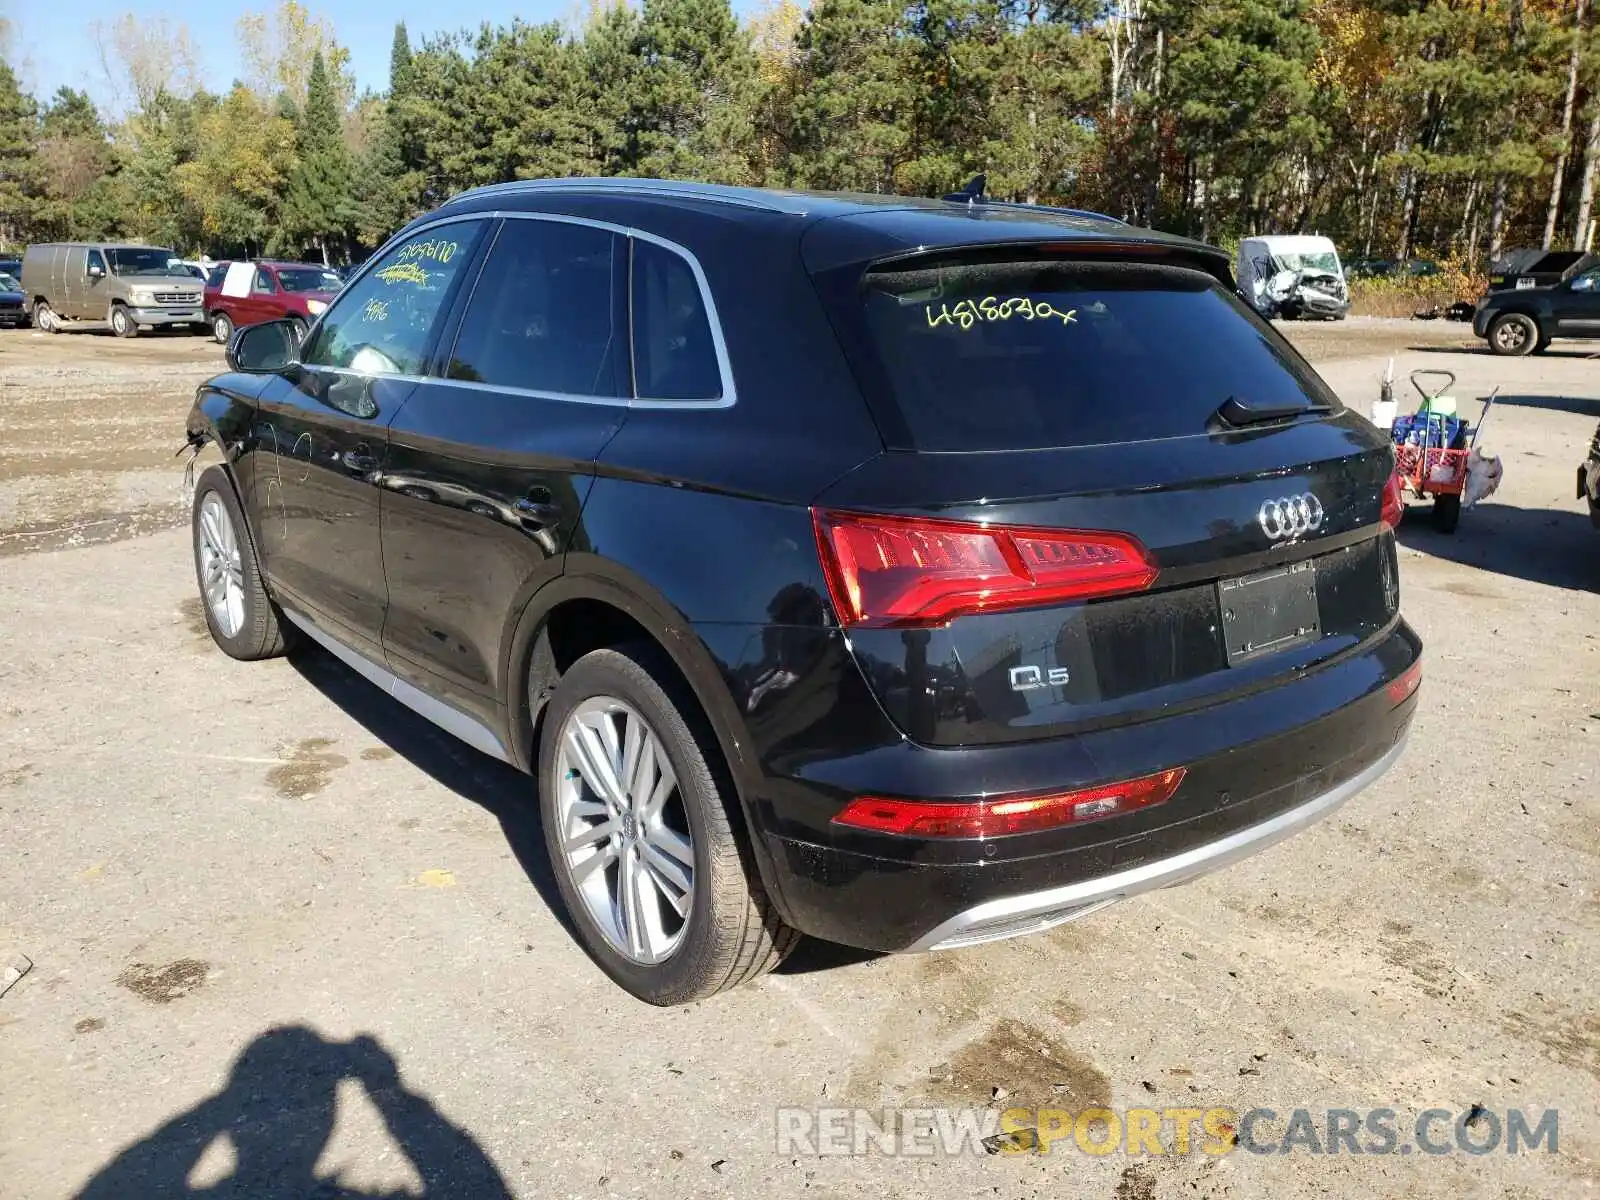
1238, 412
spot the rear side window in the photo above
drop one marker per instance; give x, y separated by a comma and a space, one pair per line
541, 315
1013, 355
674, 357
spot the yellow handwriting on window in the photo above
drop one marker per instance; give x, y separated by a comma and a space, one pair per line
435, 248
376, 310
968, 313
404, 272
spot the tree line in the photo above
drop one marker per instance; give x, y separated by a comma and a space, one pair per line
1398, 127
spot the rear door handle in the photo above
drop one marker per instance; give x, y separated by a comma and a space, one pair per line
359, 461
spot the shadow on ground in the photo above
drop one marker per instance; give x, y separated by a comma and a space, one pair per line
276, 1114
506, 793
1543, 545
1583, 406
1565, 350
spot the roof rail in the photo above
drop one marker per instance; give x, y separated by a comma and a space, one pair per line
712, 192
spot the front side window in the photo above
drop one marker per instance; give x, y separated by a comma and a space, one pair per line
542, 314
674, 357
383, 324
96, 259
1587, 282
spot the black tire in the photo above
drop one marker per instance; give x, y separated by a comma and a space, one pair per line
44, 318
1513, 335
263, 633
1446, 513
122, 322
221, 328
299, 327
733, 935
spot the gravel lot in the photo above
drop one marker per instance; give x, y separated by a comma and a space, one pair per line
266, 900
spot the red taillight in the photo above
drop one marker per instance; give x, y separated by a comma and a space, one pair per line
1401, 688
1009, 814
904, 571
1394, 502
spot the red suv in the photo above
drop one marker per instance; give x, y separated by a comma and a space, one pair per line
242, 293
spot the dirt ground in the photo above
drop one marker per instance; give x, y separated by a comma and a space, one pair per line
282, 932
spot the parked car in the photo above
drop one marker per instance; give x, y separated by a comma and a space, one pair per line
11, 267
905, 573
12, 310
1525, 320
1293, 276
129, 287
1589, 480
1388, 268
248, 293
1530, 268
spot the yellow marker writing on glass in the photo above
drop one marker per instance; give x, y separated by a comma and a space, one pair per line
434, 248
968, 313
376, 310
404, 272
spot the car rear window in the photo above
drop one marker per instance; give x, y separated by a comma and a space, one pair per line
963, 354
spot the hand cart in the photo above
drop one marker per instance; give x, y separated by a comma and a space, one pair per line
1432, 448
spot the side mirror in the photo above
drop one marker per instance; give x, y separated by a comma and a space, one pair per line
266, 348
96, 272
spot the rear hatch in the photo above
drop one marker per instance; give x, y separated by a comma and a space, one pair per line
1112, 493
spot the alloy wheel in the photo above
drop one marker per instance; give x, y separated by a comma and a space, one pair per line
624, 834
221, 566
1512, 335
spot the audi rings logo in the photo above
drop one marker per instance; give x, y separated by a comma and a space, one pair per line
1290, 516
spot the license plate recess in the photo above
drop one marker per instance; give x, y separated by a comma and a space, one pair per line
1269, 612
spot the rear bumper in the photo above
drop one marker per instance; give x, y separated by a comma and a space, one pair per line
1036, 911
1259, 768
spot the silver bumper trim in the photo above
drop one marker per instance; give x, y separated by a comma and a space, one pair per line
1012, 916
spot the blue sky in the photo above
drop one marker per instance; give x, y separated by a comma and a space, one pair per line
54, 46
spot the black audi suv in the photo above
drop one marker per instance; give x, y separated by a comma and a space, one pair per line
904, 573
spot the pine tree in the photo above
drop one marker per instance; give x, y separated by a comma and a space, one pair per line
694, 93
319, 207
18, 133
399, 61
855, 96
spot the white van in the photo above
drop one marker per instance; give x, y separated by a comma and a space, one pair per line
1293, 275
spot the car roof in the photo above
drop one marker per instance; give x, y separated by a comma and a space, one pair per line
838, 227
